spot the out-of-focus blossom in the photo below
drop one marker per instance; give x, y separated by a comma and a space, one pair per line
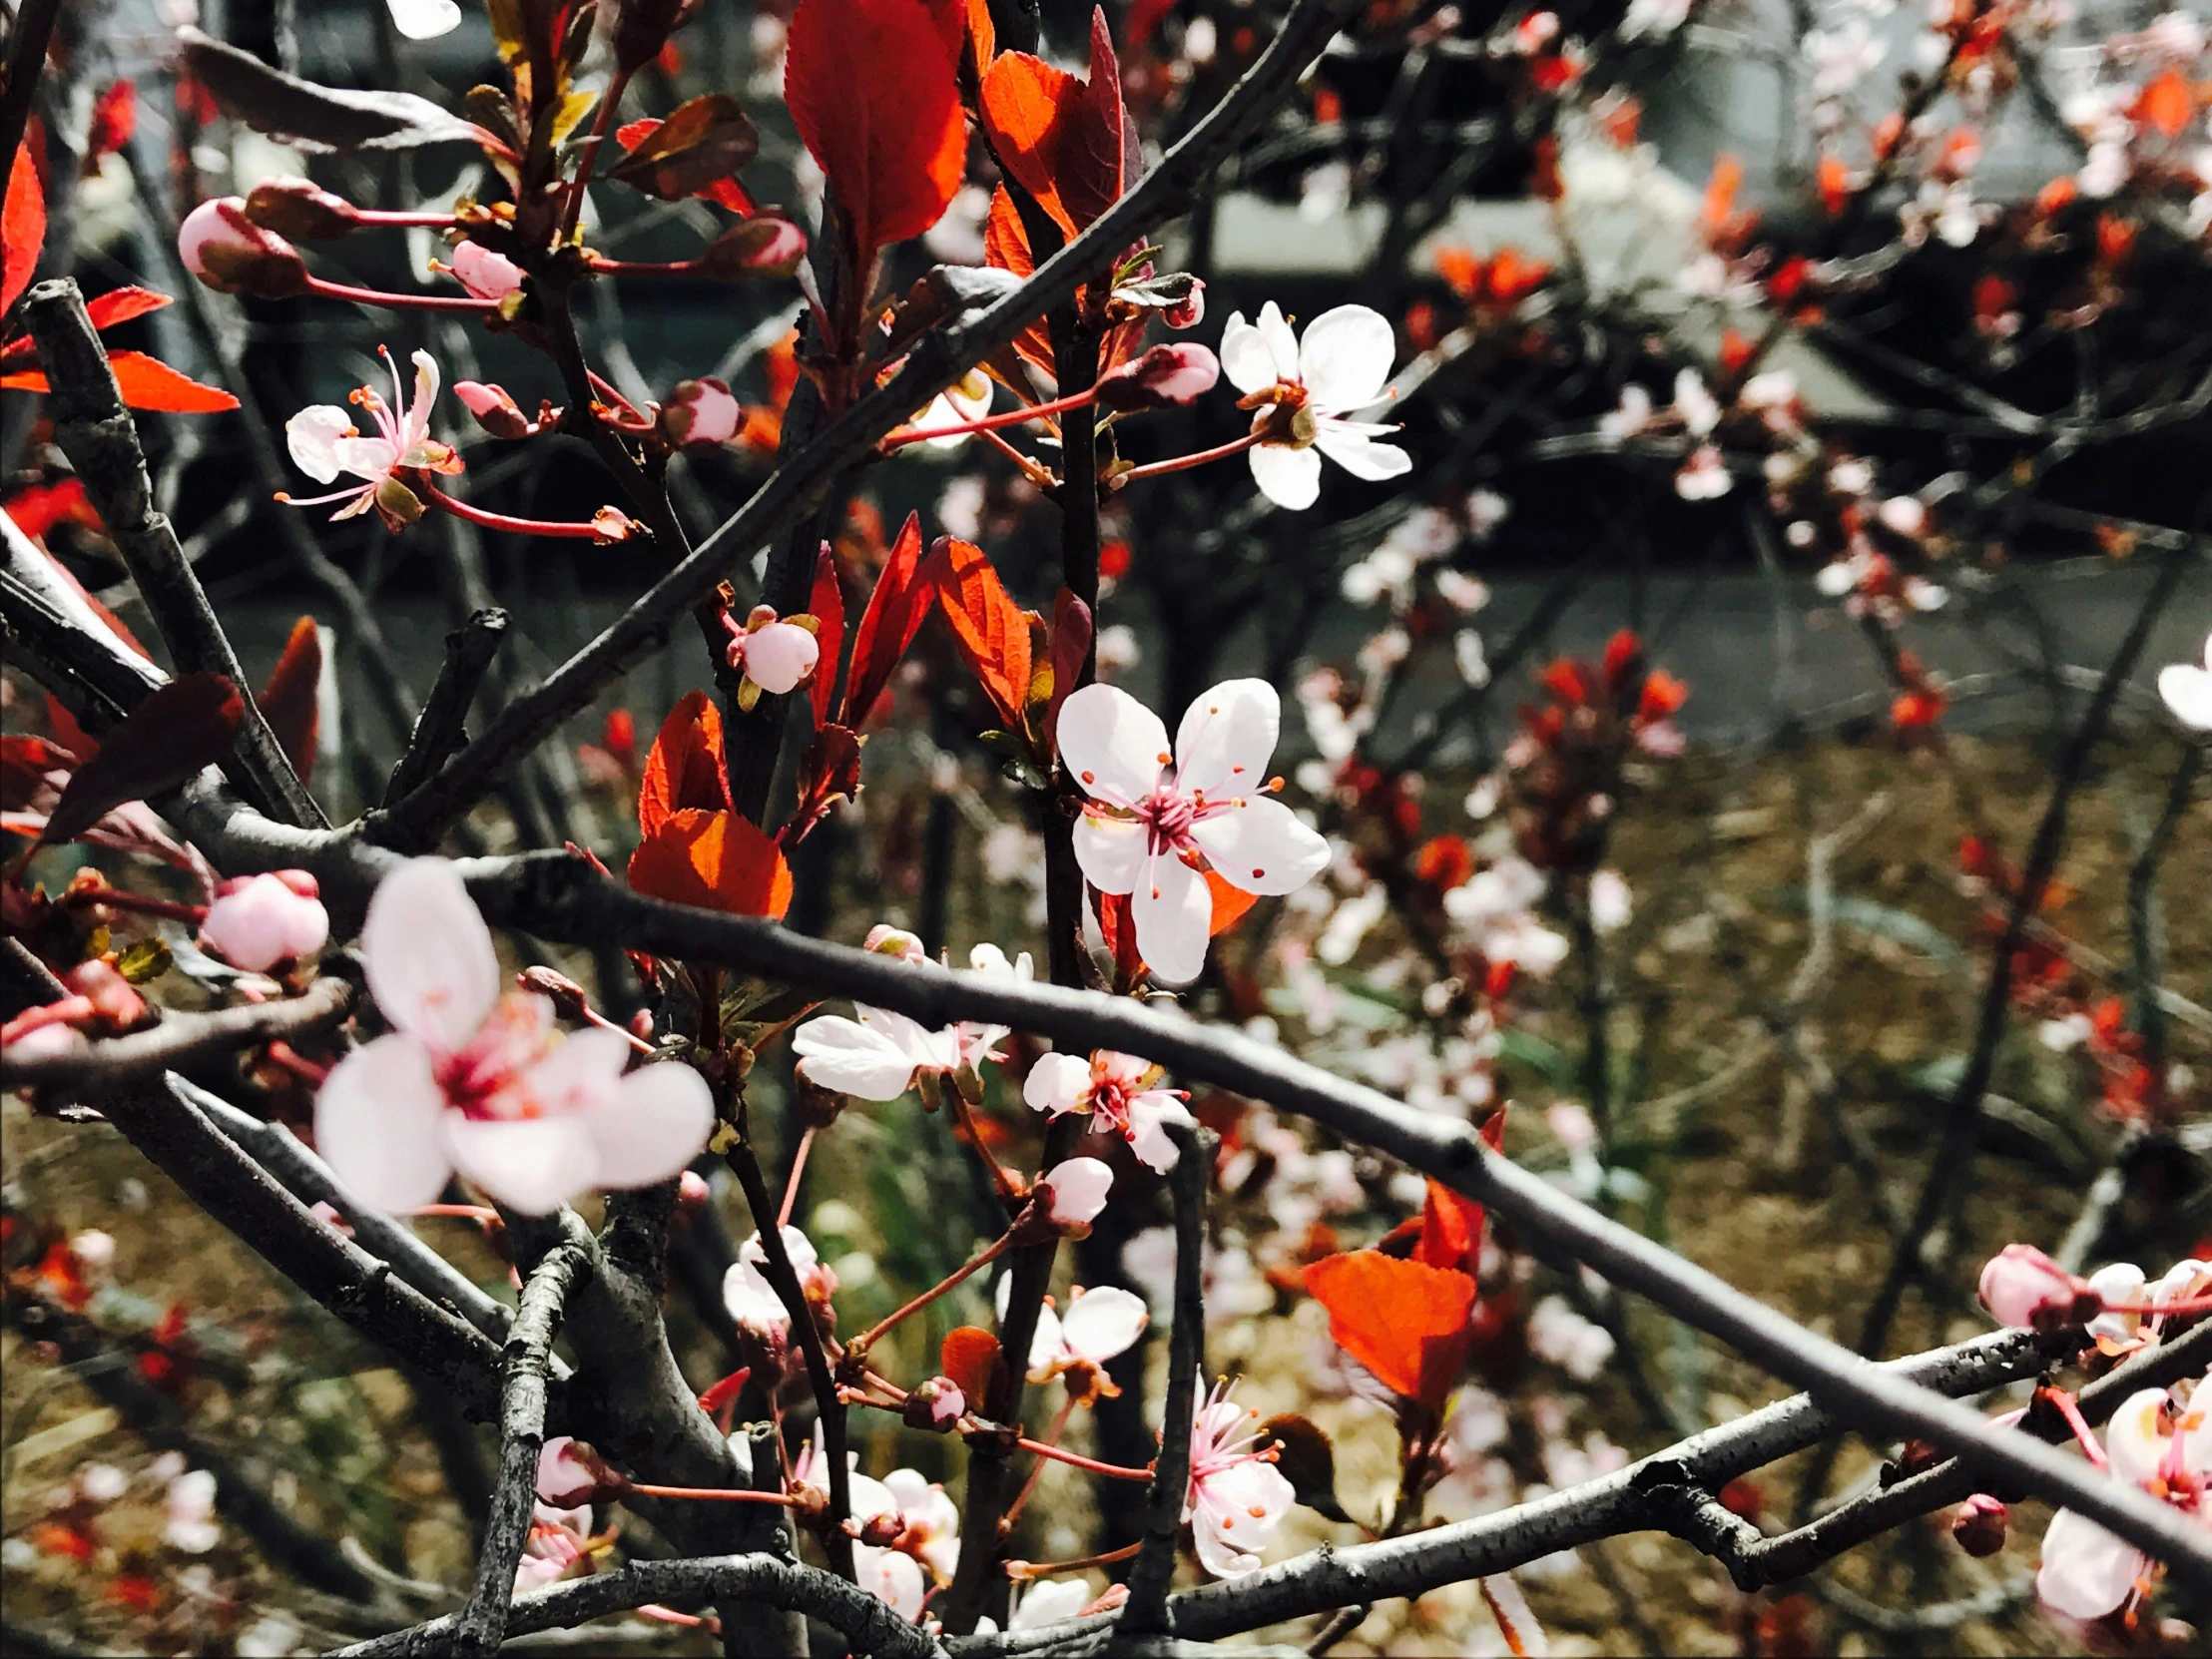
189, 1513
2187, 690
1559, 1336
2086, 1572
258, 921
1304, 389
1237, 1496
751, 1299
1118, 1092
2122, 1284
424, 19
557, 1544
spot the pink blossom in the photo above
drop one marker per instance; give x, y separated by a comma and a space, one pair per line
570, 1473
702, 411
934, 1405
1163, 376
1117, 1091
2022, 1286
1304, 389
1074, 1192
473, 1081
325, 442
231, 255
485, 273
2123, 1283
751, 1299
558, 1543
2086, 1572
879, 1054
1237, 1496
774, 656
1098, 1325
1151, 816
190, 1508
258, 921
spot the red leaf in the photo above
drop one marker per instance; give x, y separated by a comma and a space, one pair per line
1230, 904
712, 861
1408, 1322
827, 606
148, 384
22, 228
188, 723
871, 88
2167, 103
39, 508
1071, 647
700, 145
1118, 925
829, 768
29, 767
1451, 1226
1006, 247
113, 119
970, 1356
887, 627
288, 700
685, 769
122, 305
1068, 143
990, 630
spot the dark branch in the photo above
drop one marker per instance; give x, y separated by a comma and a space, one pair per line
439, 730
100, 1068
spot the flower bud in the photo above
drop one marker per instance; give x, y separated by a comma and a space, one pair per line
113, 1003
485, 273
1164, 376
766, 244
772, 654
1074, 1193
2021, 1286
1979, 1525
701, 412
566, 995
1190, 310
231, 255
570, 1473
895, 941
299, 209
934, 1405
499, 415
258, 921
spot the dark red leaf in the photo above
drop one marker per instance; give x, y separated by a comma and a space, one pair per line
22, 228
887, 626
39, 508
704, 142
712, 861
187, 725
970, 1356
150, 383
1071, 646
122, 305
28, 768
316, 118
113, 119
1068, 143
827, 606
288, 700
1405, 1322
829, 768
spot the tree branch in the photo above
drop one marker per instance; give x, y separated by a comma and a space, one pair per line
34, 28
107, 1066
439, 732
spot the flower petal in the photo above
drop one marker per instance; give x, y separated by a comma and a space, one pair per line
2086, 1571
376, 1123
1150, 1114
313, 436
1360, 455
848, 1057
1226, 740
534, 1165
1346, 358
424, 19
1262, 846
1057, 1083
1246, 361
1291, 478
1112, 745
1175, 916
581, 1072
1104, 1323
656, 1125
371, 458
1110, 850
779, 656
417, 428
431, 966
1280, 342
2188, 693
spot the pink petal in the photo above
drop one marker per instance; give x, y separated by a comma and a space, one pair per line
1360, 455
1175, 918
1226, 740
845, 1056
431, 966
1262, 846
1112, 745
1282, 344
1150, 1114
656, 1126
534, 1165
313, 436
779, 656
2086, 1571
1076, 1191
376, 1124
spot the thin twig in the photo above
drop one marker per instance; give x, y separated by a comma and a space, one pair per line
440, 730
93, 1071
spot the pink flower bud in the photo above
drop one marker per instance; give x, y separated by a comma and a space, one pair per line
1190, 310
261, 920
692, 1193
113, 1003
299, 208
486, 274
934, 1405
897, 941
1074, 1192
566, 995
703, 412
572, 1473
774, 656
498, 414
1979, 1525
231, 255
2023, 1288
1164, 375
765, 246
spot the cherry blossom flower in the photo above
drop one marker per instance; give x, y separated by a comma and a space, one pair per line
751, 1299
558, 1542
1149, 817
879, 1054
2122, 1283
1047, 1601
258, 921
2187, 690
2021, 1286
2086, 1572
1074, 1192
960, 404
1304, 389
907, 1525
474, 1081
189, 1507
325, 442
1099, 1326
1559, 1336
773, 656
702, 411
1117, 1091
424, 19
1237, 1496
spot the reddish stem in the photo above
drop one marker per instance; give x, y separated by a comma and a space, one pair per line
70, 1010
609, 101
460, 1211
715, 1494
790, 1186
1030, 1570
1036, 1470
141, 903
1078, 1461
991, 423
310, 1072
2082, 1433
469, 304
1186, 463
500, 521
382, 216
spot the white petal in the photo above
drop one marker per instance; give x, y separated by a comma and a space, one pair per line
1104, 1323
371, 458
1226, 740
376, 1123
1075, 1191
1048, 1601
1150, 1114
1112, 745
1046, 1350
1246, 361
1111, 852
1262, 846
431, 966
2086, 1571
1360, 455
425, 394
2188, 693
534, 1165
1291, 478
926, 1049
1282, 344
656, 1125
1057, 1083
1346, 360
582, 1073
1175, 918
312, 436
425, 19
845, 1056
2135, 1439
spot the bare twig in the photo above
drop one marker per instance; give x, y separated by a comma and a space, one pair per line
96, 1070
34, 28
439, 730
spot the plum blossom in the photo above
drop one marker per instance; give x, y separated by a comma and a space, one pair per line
558, 1542
879, 1054
1559, 1336
702, 411
258, 921
481, 1083
2086, 1572
959, 406
189, 1507
485, 273
905, 1522
2187, 690
325, 442
231, 255
2023, 1288
774, 656
1074, 1192
751, 1299
1150, 815
1237, 1496
1099, 1326
1841, 56
424, 19
1304, 389
1495, 908
1047, 1601
1117, 1091
2122, 1284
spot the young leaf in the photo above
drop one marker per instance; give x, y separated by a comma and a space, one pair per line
1071, 647
970, 1356
684, 769
1305, 1458
827, 606
829, 768
712, 861
187, 725
704, 142
990, 630
148, 384
723, 193
1230, 904
1068, 143
22, 228
1408, 1322
1451, 1226
289, 701
122, 305
887, 626
323, 120
871, 88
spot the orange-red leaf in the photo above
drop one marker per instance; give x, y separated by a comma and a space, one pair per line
684, 770
887, 626
871, 88
1406, 1321
1006, 247
37, 508
1230, 903
1066, 141
288, 700
723, 193
1451, 1226
22, 228
968, 1356
150, 383
827, 606
2168, 103
991, 631
712, 861
122, 305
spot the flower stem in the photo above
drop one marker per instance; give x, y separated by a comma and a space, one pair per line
2082, 1433
384, 215
500, 521
469, 304
459, 1212
790, 1185
139, 903
1077, 1461
1009, 1190
990, 424
1024, 1571
716, 1494
1183, 463
1036, 1470
981, 1259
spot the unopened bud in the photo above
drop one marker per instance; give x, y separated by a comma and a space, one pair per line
231, 255
485, 273
895, 941
703, 412
1979, 1525
115, 1004
258, 921
1164, 376
1190, 310
934, 1405
566, 995
571, 1473
766, 244
499, 415
2023, 1288
299, 209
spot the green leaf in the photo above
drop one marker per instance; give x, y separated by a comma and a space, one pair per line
145, 962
